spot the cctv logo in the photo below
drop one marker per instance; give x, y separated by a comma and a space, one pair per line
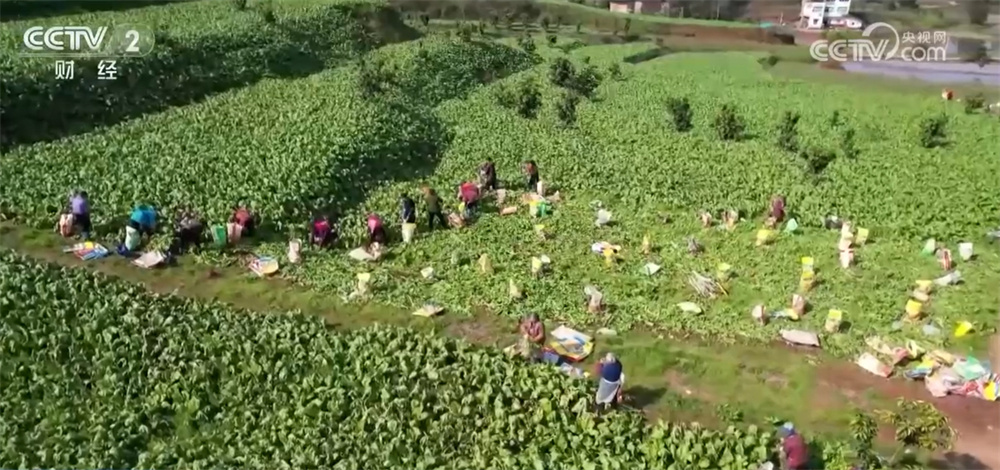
65, 38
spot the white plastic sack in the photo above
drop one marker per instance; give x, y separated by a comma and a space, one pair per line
132, 238
360, 254
689, 307
965, 251
805, 338
294, 250
408, 231
603, 217
650, 269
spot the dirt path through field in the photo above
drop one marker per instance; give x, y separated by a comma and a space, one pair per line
976, 421
768, 378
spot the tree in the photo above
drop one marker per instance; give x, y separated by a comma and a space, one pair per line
918, 426
728, 125
974, 103
527, 43
529, 99
847, 145
544, 23
818, 159
425, 19
615, 71
788, 134
679, 110
932, 131
566, 109
978, 11
587, 80
561, 72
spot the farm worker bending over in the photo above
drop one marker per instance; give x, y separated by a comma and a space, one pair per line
468, 193
794, 455
323, 231
433, 203
777, 208
376, 232
407, 209
189, 230
143, 219
609, 389
531, 171
243, 219
488, 175
79, 207
532, 336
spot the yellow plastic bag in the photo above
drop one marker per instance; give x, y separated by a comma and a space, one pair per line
925, 286
798, 307
513, 290
808, 263
765, 236
914, 309
540, 231
807, 280
536, 266
646, 245
609, 256
833, 320
485, 265
723, 271
963, 329
862, 236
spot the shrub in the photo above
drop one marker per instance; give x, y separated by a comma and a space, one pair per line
587, 80
566, 109
768, 61
728, 124
847, 145
527, 43
932, 131
561, 72
680, 113
974, 103
615, 71
529, 99
788, 134
818, 159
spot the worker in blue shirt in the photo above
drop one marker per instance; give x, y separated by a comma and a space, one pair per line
612, 381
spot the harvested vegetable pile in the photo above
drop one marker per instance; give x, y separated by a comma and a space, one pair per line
100, 374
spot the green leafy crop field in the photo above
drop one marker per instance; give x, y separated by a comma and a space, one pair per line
283, 146
623, 152
100, 374
201, 48
330, 140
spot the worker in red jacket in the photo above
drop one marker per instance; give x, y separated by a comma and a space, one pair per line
468, 193
794, 454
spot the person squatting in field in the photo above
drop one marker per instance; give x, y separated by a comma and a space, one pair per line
189, 231
324, 231
532, 336
488, 175
243, 219
531, 172
79, 210
468, 193
376, 230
